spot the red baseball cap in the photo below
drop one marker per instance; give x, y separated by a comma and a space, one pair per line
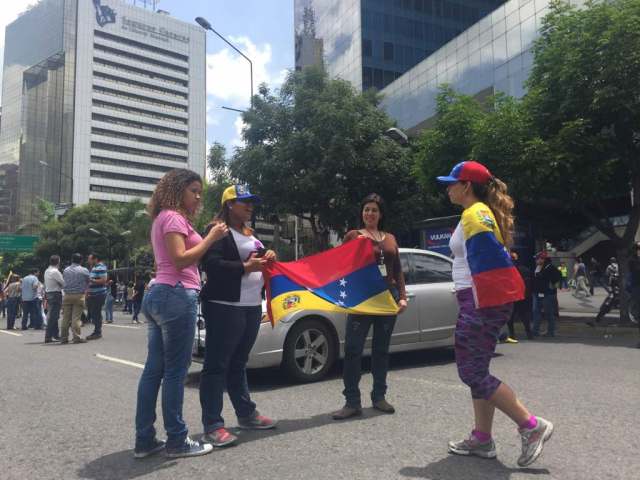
468, 171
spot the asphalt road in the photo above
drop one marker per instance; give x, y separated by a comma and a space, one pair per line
66, 413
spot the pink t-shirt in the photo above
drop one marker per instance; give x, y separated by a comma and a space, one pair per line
170, 221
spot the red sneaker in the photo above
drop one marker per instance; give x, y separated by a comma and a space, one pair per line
257, 422
220, 437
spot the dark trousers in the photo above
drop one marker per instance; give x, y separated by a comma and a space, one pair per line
355, 336
54, 300
231, 333
522, 311
30, 315
136, 308
3, 308
94, 311
12, 311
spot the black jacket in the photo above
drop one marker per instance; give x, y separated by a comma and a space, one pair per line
224, 270
546, 280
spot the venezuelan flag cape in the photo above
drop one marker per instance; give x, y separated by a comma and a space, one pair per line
496, 280
344, 279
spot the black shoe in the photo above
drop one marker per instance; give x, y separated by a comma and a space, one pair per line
48, 340
94, 336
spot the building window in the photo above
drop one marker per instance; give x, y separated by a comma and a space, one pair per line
120, 191
127, 164
138, 111
366, 47
137, 151
388, 51
123, 177
141, 46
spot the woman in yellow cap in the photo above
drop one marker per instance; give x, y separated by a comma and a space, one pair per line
232, 307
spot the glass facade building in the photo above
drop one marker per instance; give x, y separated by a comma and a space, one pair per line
371, 43
100, 99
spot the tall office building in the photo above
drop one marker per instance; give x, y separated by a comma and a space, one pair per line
371, 43
99, 99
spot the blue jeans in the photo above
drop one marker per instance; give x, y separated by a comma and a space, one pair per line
355, 335
231, 333
549, 302
30, 316
12, 311
171, 314
108, 308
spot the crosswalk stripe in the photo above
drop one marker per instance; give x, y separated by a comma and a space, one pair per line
119, 360
11, 333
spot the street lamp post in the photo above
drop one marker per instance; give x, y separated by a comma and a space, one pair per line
207, 26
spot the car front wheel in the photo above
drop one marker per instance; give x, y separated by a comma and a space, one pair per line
309, 351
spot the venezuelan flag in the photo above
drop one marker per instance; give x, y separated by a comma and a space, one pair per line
344, 279
496, 280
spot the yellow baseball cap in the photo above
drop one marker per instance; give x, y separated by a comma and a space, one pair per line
239, 192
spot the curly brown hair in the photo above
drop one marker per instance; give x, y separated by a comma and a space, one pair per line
170, 190
495, 194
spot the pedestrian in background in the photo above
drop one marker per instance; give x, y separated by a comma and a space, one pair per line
522, 309
13, 292
634, 283
3, 302
486, 284
580, 275
612, 272
30, 315
138, 296
112, 294
564, 276
545, 294
385, 247
96, 294
76, 282
171, 311
53, 285
128, 298
594, 275
231, 305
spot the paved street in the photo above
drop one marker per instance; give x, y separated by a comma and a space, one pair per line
67, 413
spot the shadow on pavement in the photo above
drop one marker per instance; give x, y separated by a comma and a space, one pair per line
122, 465
467, 468
266, 379
286, 426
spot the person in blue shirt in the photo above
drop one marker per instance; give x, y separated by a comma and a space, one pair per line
30, 315
96, 294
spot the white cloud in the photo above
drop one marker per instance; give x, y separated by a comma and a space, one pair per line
237, 141
8, 13
228, 74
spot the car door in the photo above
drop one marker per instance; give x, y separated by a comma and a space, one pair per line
407, 328
434, 296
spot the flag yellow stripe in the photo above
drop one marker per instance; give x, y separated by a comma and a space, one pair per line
381, 304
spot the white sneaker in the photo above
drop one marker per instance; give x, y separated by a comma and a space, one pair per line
533, 441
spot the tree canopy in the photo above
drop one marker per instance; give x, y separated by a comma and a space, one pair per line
317, 147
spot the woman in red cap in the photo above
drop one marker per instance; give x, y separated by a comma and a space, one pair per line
487, 284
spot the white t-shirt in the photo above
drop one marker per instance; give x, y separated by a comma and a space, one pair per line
461, 273
251, 283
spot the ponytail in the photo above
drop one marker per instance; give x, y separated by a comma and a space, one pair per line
494, 194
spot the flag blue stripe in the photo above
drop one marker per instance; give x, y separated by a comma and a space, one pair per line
485, 252
361, 285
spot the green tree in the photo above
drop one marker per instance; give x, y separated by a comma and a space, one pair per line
219, 178
317, 147
584, 105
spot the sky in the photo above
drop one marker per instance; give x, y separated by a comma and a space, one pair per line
261, 29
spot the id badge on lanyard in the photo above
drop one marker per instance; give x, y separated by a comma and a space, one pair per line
381, 266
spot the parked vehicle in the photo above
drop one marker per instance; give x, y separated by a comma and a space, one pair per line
306, 343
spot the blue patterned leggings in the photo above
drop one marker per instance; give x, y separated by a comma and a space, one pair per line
476, 336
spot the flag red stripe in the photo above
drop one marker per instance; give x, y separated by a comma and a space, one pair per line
326, 267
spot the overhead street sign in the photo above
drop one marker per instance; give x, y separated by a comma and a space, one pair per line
17, 243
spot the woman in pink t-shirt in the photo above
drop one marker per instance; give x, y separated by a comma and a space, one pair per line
171, 311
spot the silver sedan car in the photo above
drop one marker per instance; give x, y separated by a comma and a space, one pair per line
306, 343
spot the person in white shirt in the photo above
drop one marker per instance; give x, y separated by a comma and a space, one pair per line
53, 285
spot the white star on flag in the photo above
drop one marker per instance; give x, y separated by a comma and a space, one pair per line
341, 303
343, 294
343, 282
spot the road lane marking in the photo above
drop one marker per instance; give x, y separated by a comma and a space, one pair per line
120, 326
11, 333
119, 360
